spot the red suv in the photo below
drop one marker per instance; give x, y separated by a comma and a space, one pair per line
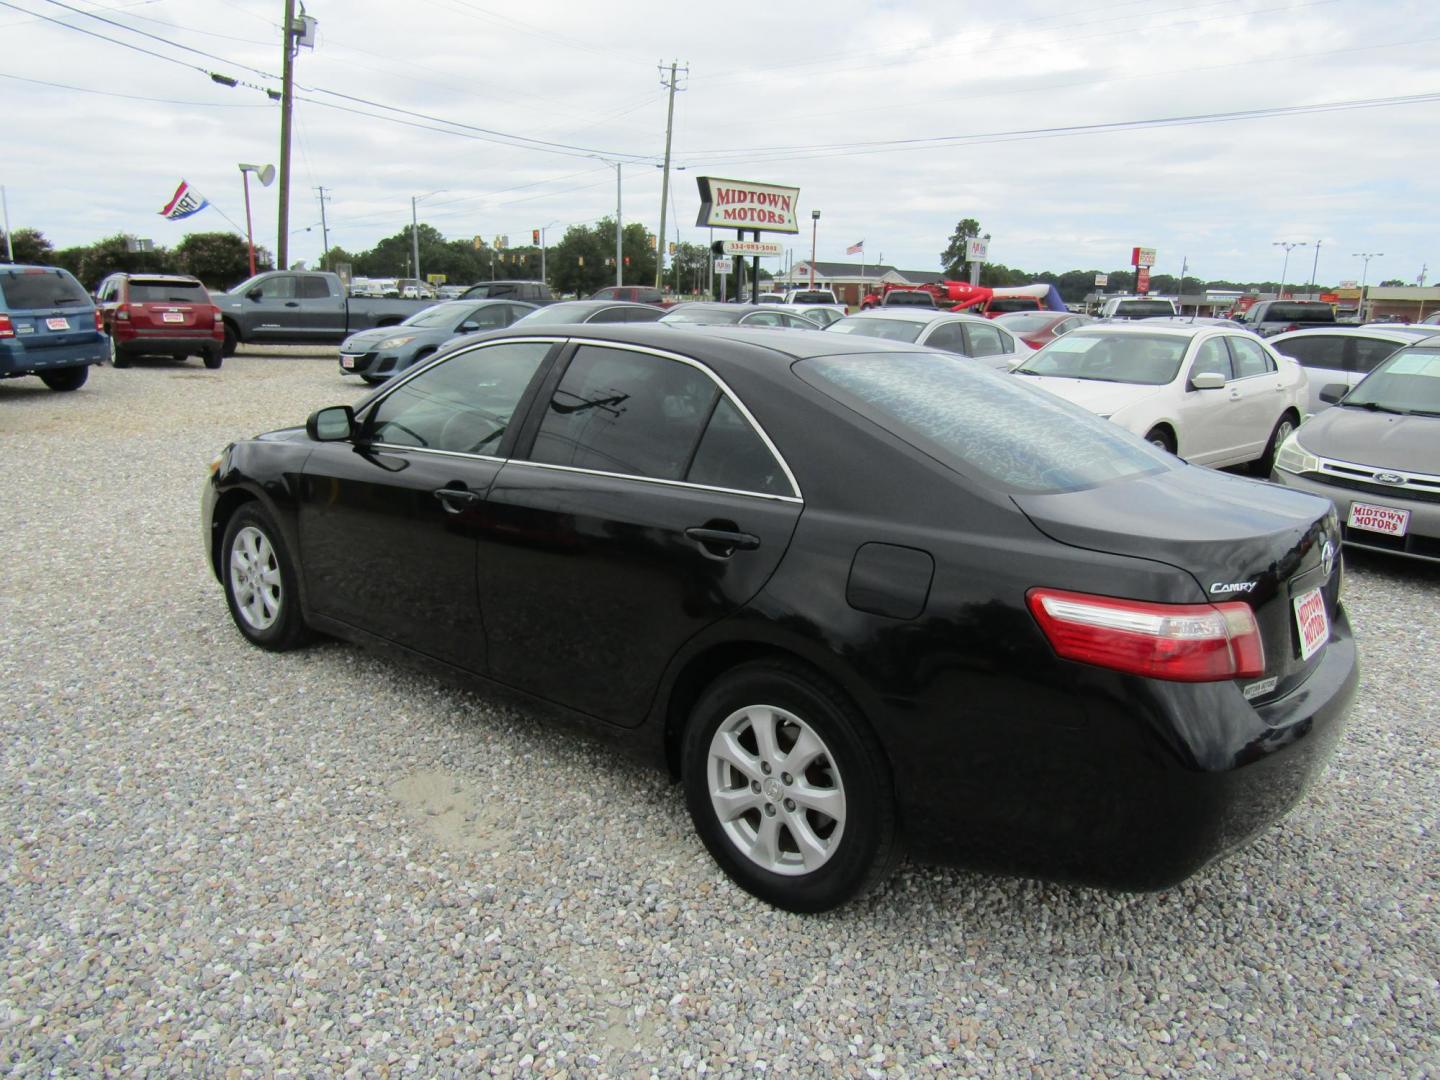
636, 294
160, 313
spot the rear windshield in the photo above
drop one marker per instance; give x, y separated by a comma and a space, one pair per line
1142, 359
31, 289
983, 424
144, 291
1025, 324
1299, 313
1143, 309
889, 329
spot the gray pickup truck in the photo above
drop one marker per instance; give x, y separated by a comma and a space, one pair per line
302, 307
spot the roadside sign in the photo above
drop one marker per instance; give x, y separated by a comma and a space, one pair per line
751, 247
724, 266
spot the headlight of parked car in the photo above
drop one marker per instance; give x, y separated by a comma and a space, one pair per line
1294, 458
396, 342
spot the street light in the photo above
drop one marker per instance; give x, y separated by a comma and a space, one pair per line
542, 248
814, 225
415, 236
1288, 245
1364, 273
266, 176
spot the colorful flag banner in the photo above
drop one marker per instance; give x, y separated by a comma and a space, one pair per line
855, 249
184, 202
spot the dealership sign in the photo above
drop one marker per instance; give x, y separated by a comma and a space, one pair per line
743, 204
751, 247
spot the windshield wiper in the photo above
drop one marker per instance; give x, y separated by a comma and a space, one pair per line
1375, 406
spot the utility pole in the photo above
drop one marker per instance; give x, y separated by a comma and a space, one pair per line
287, 100
665, 181
324, 233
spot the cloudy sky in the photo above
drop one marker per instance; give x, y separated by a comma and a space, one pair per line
895, 119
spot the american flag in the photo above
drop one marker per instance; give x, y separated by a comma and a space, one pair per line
855, 249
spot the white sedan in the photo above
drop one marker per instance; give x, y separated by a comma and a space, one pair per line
966, 335
1213, 396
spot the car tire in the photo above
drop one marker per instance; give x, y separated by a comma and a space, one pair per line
1161, 438
231, 343
755, 815
260, 581
1283, 428
118, 358
63, 379
213, 359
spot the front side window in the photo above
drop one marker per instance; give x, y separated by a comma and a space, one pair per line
984, 425
1249, 357
626, 412
463, 404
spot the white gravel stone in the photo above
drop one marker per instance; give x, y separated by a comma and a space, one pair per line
220, 861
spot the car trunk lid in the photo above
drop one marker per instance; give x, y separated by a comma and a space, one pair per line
1241, 540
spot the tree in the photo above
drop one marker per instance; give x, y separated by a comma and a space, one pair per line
219, 259
952, 259
30, 247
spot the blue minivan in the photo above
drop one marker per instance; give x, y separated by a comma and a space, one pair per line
49, 327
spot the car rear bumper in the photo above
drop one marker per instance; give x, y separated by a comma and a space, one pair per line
16, 359
1132, 790
1422, 532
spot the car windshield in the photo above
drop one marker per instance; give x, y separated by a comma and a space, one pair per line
1025, 324
889, 329
705, 316
983, 424
151, 291
1407, 382
1142, 359
441, 315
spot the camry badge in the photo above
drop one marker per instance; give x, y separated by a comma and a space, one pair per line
1327, 557
1389, 478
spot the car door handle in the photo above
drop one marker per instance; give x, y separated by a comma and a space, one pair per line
722, 543
455, 499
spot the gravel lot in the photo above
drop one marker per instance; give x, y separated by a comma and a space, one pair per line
219, 861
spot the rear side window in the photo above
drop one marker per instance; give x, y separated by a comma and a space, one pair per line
987, 426
143, 291
732, 455
23, 291
624, 412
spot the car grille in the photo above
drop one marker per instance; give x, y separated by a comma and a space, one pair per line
1342, 474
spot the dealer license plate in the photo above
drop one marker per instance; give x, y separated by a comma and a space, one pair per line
1312, 621
58, 324
1380, 519
347, 361
172, 316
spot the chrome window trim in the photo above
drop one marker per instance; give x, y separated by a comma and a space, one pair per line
664, 354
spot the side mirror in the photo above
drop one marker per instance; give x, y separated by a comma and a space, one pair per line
334, 423
1207, 380
1330, 393
254, 294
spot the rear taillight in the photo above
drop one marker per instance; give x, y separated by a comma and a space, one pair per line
1177, 642
7, 328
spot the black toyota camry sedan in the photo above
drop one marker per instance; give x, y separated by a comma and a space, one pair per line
853, 593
